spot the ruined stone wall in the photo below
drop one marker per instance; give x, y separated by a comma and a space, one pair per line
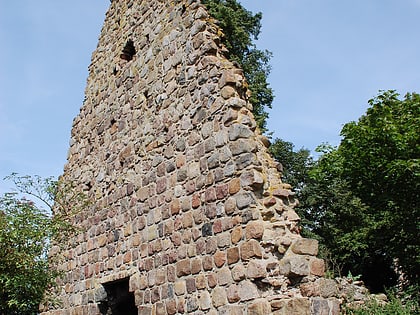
187, 203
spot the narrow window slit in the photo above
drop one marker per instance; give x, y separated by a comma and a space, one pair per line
128, 51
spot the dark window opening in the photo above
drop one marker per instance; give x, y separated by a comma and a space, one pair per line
119, 300
128, 51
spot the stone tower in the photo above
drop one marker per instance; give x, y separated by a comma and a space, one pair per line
188, 212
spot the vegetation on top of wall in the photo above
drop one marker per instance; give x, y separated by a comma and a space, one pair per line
240, 28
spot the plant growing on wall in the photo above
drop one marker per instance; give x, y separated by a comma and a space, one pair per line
240, 27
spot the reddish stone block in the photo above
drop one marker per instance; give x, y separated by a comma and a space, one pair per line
222, 191
254, 229
211, 280
248, 291
232, 255
282, 193
161, 276
211, 245
224, 276
207, 263
160, 308
269, 202
219, 297
176, 238
175, 207
200, 246
190, 284
171, 307
234, 186
183, 268
260, 307
180, 161
236, 235
181, 305
127, 257
171, 272
217, 226
195, 201
256, 269
219, 258
155, 295
233, 293
144, 310
187, 220
210, 194
305, 246
195, 265
200, 281
317, 267
230, 205
161, 185
250, 249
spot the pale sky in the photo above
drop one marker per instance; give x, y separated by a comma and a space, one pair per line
329, 58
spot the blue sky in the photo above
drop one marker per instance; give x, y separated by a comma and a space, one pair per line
329, 58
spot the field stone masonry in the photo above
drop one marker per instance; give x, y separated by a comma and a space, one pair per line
188, 213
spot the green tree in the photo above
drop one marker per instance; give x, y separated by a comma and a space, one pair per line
335, 216
240, 28
381, 162
361, 199
296, 164
26, 234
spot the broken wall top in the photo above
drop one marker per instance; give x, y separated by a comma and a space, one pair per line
186, 201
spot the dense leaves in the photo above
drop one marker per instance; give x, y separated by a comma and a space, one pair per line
296, 164
361, 199
240, 27
26, 234
381, 154
24, 272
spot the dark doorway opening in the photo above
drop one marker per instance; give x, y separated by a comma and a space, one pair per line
119, 300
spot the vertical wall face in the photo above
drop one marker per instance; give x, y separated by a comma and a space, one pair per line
188, 206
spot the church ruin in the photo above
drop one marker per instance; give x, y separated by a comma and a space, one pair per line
189, 214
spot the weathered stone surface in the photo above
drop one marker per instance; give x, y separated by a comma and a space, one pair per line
317, 267
238, 272
247, 291
219, 297
250, 249
232, 255
305, 246
296, 306
321, 306
205, 300
254, 229
294, 266
233, 293
256, 269
185, 200
259, 307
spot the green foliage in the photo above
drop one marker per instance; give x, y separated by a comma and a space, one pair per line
296, 164
26, 234
334, 215
240, 27
398, 304
381, 154
361, 199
